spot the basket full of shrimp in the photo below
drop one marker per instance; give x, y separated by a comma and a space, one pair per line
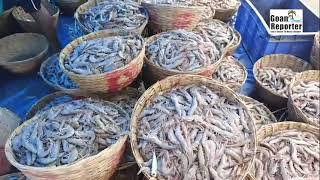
112, 16
287, 150
193, 128
82, 138
304, 97
180, 52
273, 75
103, 61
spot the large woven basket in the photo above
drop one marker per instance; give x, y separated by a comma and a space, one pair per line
27, 22
42, 74
225, 14
99, 166
164, 17
23, 52
91, 3
154, 73
233, 86
278, 61
104, 82
271, 129
235, 43
315, 52
175, 81
69, 6
295, 112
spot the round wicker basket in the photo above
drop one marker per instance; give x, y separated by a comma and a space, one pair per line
100, 166
155, 73
271, 129
234, 86
226, 14
164, 17
27, 22
86, 6
104, 82
236, 42
46, 63
295, 112
278, 61
23, 52
183, 80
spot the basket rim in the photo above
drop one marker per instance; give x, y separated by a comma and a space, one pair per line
85, 38
92, 3
43, 51
197, 71
10, 155
236, 33
239, 64
134, 120
255, 68
294, 83
17, 17
44, 64
172, 6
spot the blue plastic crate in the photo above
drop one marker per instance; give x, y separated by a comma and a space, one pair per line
252, 23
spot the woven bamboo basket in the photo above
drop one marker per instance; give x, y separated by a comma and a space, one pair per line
42, 74
26, 21
315, 52
91, 3
236, 42
69, 6
226, 14
295, 112
271, 129
267, 110
100, 166
234, 86
163, 17
23, 52
183, 80
278, 61
104, 82
155, 73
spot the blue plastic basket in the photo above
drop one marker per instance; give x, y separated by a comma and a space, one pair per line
252, 20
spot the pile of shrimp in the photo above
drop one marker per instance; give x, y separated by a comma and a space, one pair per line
69, 132
288, 155
306, 97
196, 133
276, 80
